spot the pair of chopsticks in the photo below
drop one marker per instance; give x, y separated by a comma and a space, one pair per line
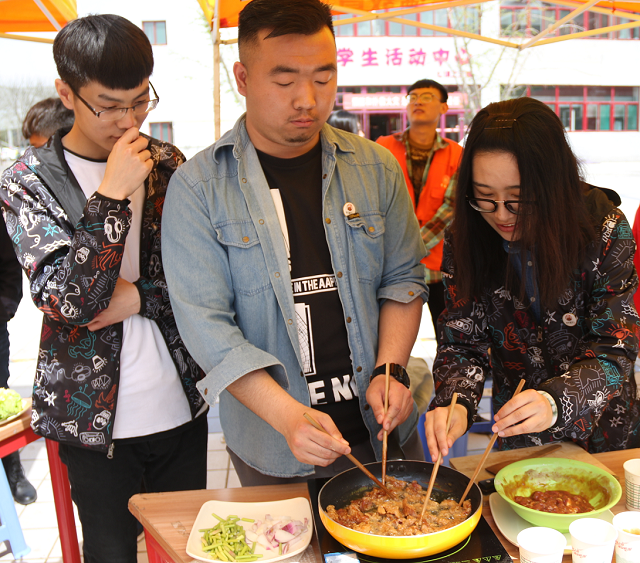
432, 481
353, 459
384, 442
486, 453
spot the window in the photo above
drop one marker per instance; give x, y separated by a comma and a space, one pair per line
156, 32
162, 131
526, 18
466, 18
586, 108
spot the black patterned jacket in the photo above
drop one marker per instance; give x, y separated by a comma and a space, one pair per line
581, 353
71, 250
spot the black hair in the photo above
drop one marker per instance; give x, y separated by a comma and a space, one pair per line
107, 49
426, 83
557, 229
45, 117
344, 120
282, 17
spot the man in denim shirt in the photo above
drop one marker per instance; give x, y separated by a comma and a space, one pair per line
292, 256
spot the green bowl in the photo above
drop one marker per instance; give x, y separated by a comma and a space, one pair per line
525, 477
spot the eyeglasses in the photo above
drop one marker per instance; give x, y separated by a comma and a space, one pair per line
425, 98
516, 207
113, 114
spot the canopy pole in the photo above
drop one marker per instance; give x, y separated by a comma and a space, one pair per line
557, 24
591, 32
26, 38
48, 15
215, 35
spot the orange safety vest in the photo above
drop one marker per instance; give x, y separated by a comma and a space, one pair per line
444, 165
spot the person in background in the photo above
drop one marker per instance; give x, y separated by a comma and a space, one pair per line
114, 385
292, 257
43, 119
538, 268
347, 121
636, 258
429, 163
10, 294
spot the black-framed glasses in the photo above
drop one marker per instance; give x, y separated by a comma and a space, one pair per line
424, 98
517, 207
113, 114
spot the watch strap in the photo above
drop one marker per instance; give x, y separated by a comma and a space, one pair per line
398, 372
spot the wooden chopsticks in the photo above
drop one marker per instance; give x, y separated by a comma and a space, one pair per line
353, 459
385, 433
434, 472
486, 452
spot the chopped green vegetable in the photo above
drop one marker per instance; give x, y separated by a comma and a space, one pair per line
226, 540
10, 403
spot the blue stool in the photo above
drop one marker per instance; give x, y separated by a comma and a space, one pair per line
10, 530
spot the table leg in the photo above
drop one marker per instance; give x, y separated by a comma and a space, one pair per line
155, 552
64, 506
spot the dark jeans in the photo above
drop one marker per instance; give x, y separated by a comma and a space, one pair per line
101, 487
249, 477
436, 304
4, 355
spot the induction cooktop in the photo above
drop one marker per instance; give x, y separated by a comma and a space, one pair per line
482, 546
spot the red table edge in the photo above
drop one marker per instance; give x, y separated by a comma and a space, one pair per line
59, 483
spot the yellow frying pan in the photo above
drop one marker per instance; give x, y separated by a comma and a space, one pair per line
351, 484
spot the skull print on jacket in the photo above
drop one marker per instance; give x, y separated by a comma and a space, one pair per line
71, 250
581, 352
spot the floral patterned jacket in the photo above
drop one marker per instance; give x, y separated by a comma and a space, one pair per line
581, 352
71, 249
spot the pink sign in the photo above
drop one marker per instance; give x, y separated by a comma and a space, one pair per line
382, 101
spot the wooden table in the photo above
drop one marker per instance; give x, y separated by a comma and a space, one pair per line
168, 517
17, 434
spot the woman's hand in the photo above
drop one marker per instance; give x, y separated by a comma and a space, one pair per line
435, 429
526, 413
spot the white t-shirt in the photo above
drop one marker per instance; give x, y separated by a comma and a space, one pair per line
150, 395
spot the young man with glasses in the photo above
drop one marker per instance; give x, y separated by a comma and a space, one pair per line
429, 163
115, 385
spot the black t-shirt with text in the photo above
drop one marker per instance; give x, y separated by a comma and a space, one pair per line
296, 188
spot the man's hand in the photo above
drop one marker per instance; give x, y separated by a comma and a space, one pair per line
435, 429
310, 445
125, 302
286, 415
128, 166
527, 412
400, 403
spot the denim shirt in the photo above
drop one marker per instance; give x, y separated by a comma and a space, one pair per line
228, 275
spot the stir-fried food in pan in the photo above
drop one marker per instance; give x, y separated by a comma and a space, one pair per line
376, 513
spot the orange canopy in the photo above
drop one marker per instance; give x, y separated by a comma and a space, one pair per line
31, 15
229, 9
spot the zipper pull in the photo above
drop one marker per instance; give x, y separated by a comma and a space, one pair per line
110, 451
539, 334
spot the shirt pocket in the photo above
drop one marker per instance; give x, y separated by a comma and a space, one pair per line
367, 241
247, 265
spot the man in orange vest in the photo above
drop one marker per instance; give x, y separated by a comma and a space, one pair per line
429, 163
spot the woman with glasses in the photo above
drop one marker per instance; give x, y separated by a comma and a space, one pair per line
539, 277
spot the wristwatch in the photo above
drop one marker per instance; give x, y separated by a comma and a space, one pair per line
396, 371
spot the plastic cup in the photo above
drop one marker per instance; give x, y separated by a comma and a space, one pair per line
632, 483
592, 540
541, 545
628, 542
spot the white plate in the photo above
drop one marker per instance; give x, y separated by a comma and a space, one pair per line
25, 406
510, 524
296, 508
